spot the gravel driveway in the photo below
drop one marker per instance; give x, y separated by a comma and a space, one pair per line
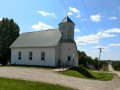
112, 70
34, 74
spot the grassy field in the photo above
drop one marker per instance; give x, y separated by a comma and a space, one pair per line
89, 74
105, 68
14, 84
30, 66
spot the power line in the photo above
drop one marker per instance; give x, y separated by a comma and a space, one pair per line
63, 4
77, 8
87, 26
78, 23
87, 13
80, 14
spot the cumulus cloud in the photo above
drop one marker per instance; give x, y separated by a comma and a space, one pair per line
43, 13
93, 38
113, 30
95, 18
69, 13
103, 34
41, 26
115, 45
77, 30
73, 10
113, 18
0, 19
90, 39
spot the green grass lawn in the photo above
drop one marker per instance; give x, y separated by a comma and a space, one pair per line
89, 74
14, 84
30, 66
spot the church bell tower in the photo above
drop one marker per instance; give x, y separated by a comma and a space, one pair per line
66, 27
67, 47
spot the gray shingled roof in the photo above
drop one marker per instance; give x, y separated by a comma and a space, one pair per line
67, 19
43, 38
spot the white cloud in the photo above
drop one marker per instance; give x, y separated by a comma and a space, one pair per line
41, 26
77, 30
115, 45
103, 34
43, 13
113, 30
74, 10
90, 39
95, 18
0, 19
69, 13
113, 18
93, 38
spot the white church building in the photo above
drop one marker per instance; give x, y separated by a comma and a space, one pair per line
52, 47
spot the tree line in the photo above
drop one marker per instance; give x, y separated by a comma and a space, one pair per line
116, 65
9, 31
85, 61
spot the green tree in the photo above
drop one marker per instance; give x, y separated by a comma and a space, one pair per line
96, 62
9, 31
86, 60
82, 58
116, 65
89, 60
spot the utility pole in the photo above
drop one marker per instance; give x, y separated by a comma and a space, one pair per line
99, 57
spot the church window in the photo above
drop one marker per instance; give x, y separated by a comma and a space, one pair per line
30, 55
42, 55
19, 55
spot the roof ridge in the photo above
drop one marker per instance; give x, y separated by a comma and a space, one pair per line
39, 31
67, 19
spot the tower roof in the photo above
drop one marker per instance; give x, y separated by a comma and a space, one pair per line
67, 19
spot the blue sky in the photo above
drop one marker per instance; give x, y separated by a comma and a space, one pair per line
97, 22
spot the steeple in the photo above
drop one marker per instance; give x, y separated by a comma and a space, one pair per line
67, 20
66, 27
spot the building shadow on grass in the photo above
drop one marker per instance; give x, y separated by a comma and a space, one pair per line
83, 71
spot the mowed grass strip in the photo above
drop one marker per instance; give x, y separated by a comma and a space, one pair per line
14, 84
89, 74
30, 66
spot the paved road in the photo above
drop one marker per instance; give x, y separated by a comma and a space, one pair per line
50, 76
112, 70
